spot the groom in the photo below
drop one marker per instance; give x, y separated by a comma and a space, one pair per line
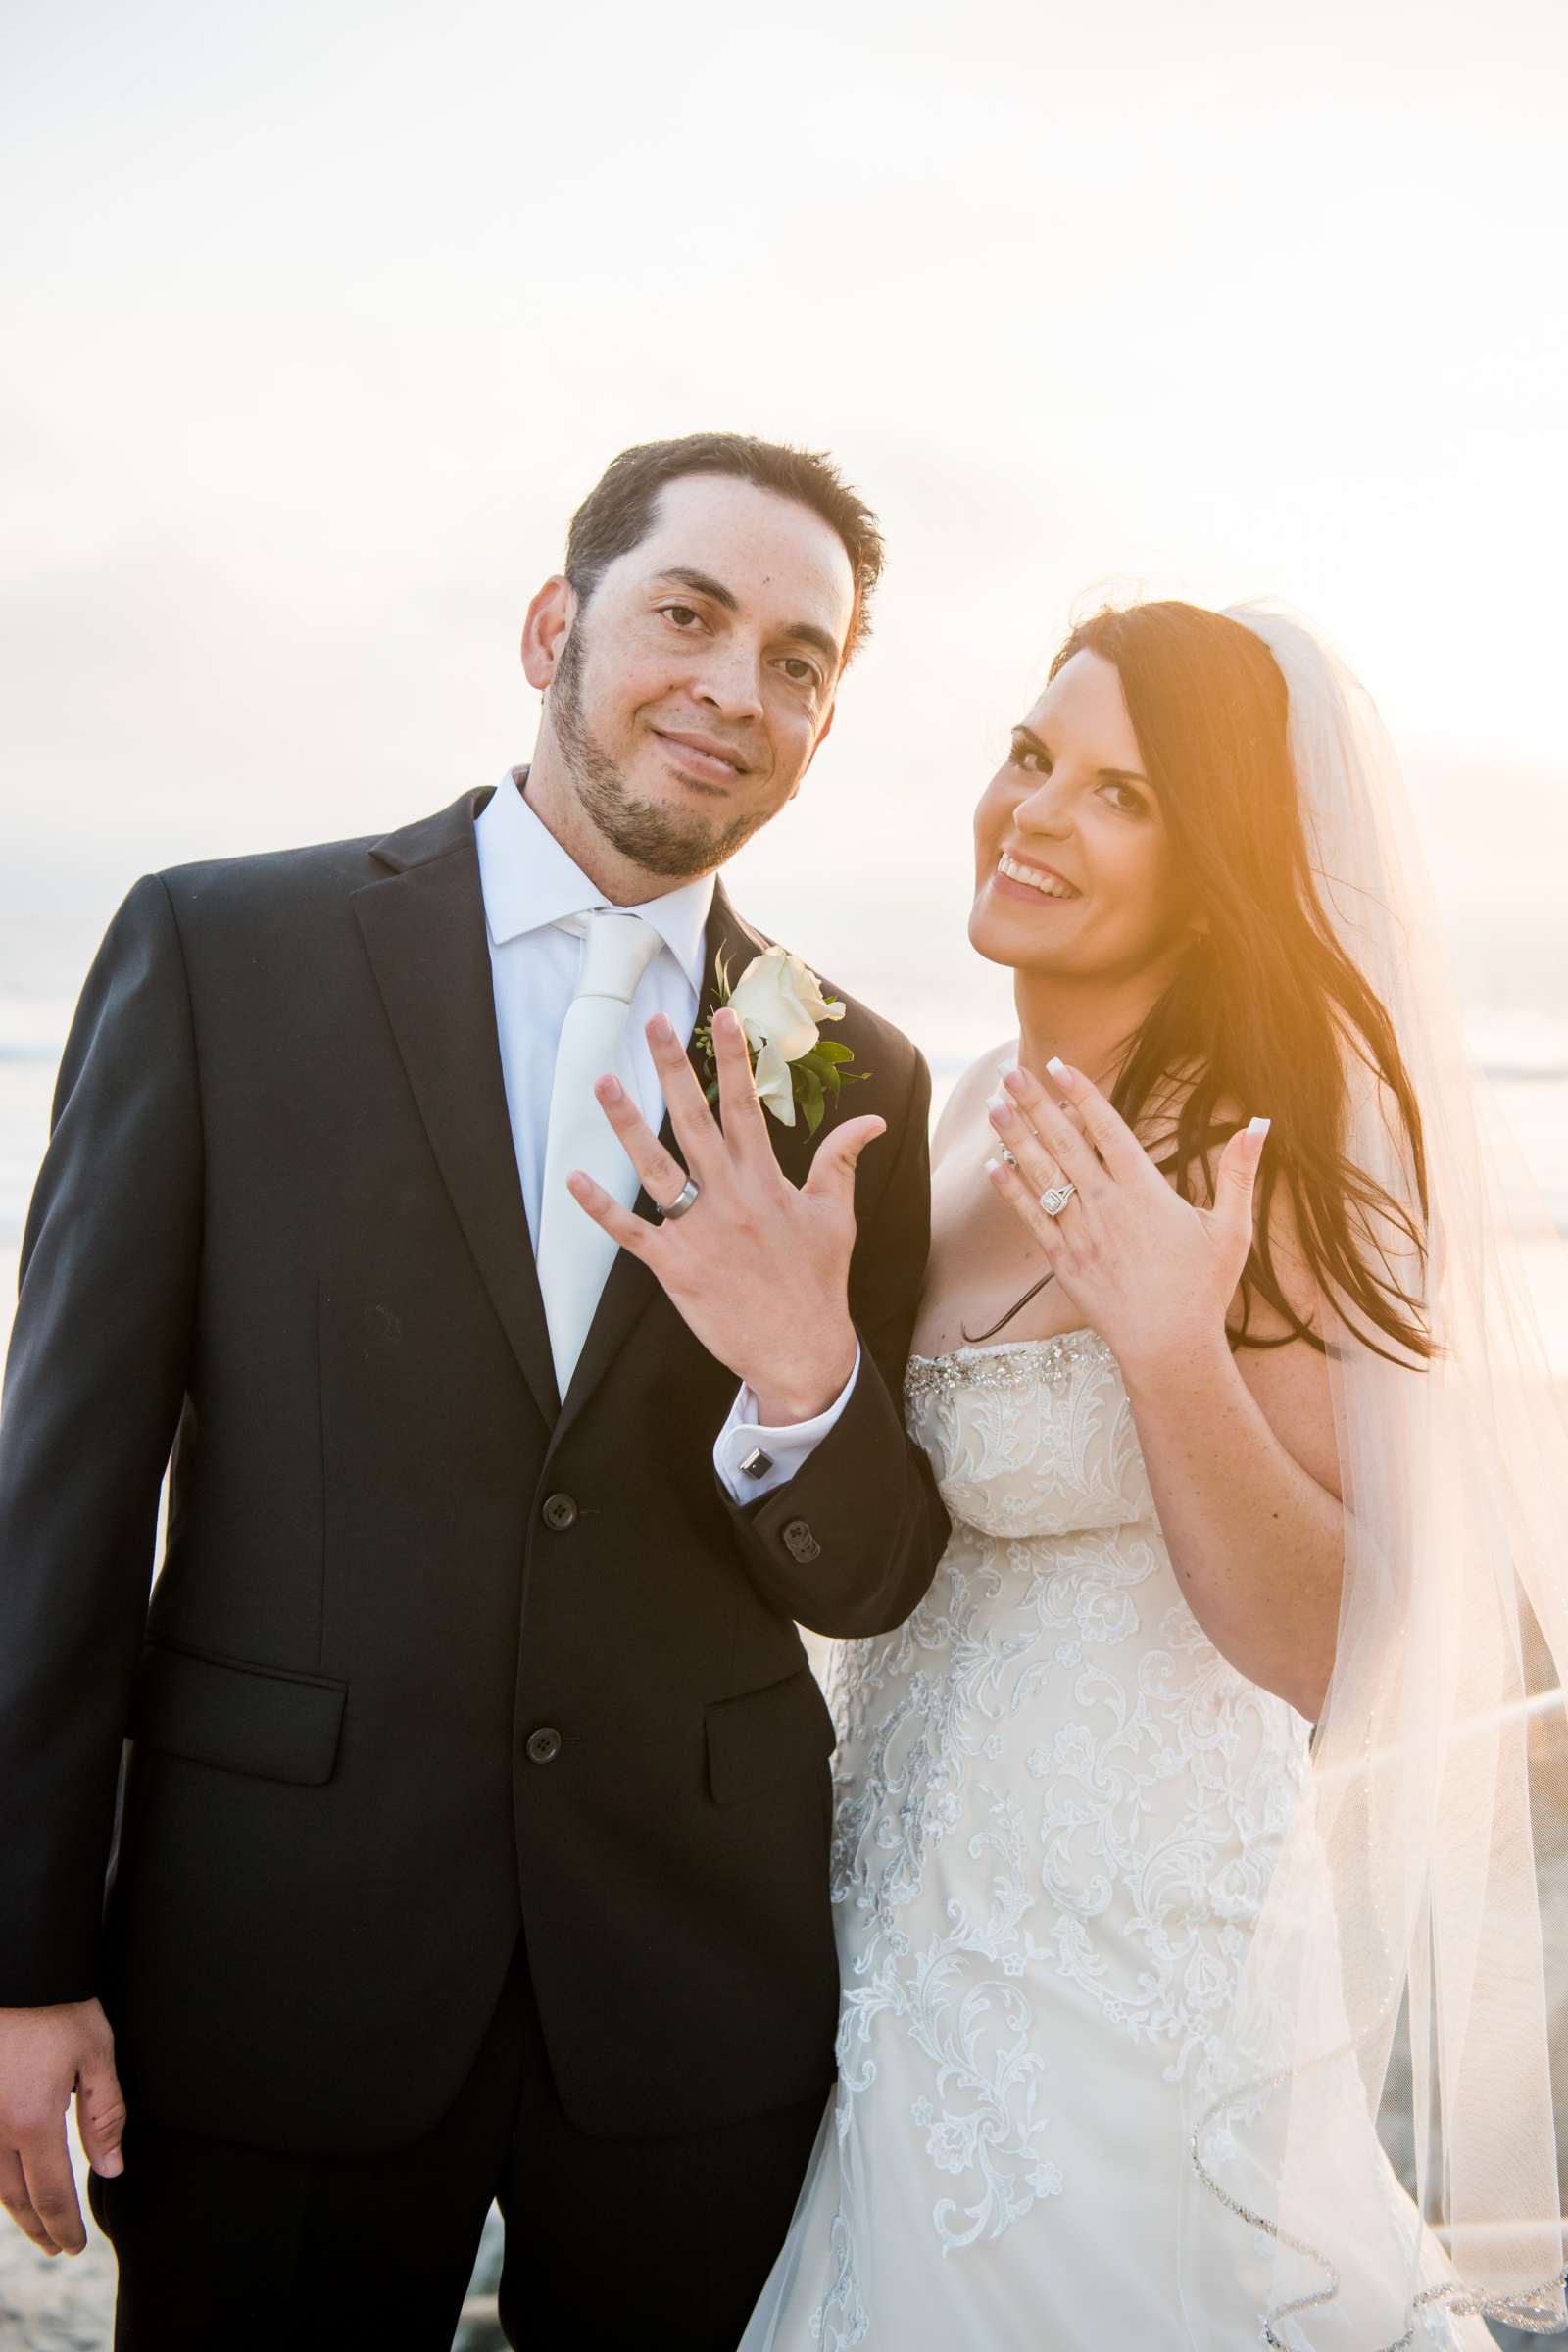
473, 1836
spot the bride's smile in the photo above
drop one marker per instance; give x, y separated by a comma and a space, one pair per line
1076, 876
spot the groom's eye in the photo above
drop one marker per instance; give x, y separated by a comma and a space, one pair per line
800, 671
680, 615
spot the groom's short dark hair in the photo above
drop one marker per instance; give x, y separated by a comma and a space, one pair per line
618, 511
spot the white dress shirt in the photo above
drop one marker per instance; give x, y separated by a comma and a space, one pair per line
529, 885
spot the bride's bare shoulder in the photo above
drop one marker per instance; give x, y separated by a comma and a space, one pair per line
970, 1093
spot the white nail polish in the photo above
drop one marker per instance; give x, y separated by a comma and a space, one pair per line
992, 1167
1057, 1066
1258, 1126
998, 1101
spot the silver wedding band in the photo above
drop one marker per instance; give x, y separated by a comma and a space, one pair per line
686, 1199
1054, 1198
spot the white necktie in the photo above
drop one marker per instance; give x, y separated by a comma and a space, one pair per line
575, 1254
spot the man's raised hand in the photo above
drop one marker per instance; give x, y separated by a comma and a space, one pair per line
758, 1268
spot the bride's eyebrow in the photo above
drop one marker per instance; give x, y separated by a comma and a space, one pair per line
1104, 775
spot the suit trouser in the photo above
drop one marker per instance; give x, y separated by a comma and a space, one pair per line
612, 2244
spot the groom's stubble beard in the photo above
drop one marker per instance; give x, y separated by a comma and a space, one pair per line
661, 841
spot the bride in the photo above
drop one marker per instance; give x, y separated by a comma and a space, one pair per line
1123, 1944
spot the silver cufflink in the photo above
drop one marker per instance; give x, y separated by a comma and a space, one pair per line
757, 1463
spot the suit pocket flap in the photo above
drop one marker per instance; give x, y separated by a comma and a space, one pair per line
255, 1719
765, 1737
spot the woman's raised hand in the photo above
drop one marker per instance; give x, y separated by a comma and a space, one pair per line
1150, 1273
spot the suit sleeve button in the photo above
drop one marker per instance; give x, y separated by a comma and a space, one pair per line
559, 1513
799, 1542
544, 1745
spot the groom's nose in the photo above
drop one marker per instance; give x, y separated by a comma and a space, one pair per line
729, 680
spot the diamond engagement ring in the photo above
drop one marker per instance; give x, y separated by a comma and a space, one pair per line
686, 1199
1055, 1199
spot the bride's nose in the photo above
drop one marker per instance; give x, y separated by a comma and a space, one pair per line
1047, 810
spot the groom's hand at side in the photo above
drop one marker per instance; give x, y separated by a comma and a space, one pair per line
46, 2054
758, 1268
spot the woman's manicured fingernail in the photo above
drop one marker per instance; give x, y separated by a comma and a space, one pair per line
1017, 1080
995, 1171
1057, 1068
1259, 1127
1001, 1109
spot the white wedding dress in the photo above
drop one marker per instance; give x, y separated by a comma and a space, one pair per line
1058, 1808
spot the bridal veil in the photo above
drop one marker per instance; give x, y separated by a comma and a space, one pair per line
1407, 1886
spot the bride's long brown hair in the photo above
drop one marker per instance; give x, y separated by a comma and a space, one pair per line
1266, 1008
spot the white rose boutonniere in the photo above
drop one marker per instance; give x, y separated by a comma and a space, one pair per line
781, 1007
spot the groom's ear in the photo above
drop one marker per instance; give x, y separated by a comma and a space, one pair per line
544, 631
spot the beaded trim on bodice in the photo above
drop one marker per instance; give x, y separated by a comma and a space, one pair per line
1004, 1364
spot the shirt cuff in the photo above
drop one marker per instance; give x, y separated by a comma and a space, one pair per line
778, 1452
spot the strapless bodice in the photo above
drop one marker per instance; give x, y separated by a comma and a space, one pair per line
1030, 1436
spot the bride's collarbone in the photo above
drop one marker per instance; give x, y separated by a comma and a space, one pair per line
982, 1263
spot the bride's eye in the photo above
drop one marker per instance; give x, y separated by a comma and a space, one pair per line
1023, 755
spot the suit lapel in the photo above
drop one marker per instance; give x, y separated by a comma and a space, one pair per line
423, 930
630, 1290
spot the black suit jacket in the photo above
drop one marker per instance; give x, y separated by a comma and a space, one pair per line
433, 1655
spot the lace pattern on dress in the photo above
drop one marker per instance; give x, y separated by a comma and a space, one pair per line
1052, 1789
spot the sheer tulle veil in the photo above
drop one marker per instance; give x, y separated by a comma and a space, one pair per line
1407, 1881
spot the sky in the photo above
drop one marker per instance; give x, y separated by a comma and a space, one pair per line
321, 317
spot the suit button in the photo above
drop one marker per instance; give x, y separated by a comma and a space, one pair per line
802, 1545
544, 1745
560, 1512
